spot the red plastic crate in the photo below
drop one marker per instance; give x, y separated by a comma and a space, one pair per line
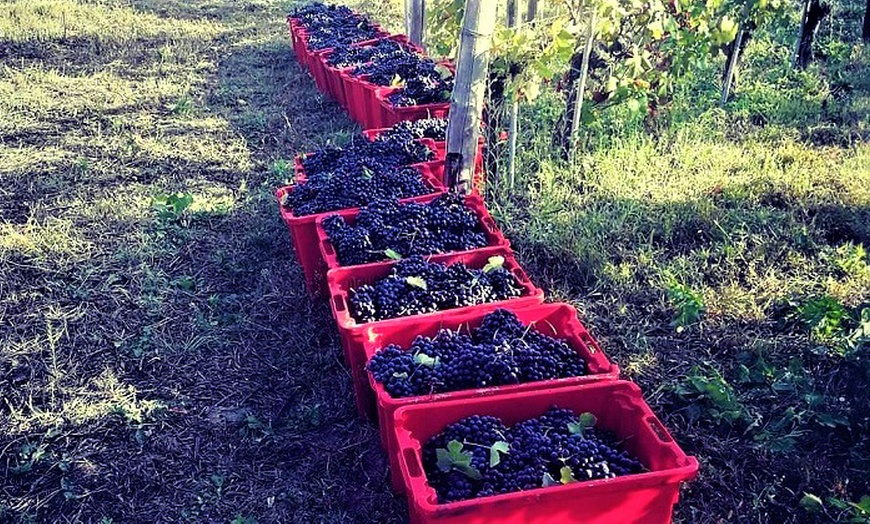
388, 115
555, 320
297, 36
336, 85
334, 75
643, 498
361, 94
304, 233
317, 65
495, 238
353, 334
433, 167
350, 96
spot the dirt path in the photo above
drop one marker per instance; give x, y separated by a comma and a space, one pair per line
161, 369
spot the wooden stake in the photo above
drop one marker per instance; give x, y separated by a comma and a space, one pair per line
865, 32
797, 46
513, 125
731, 68
531, 10
580, 85
512, 13
466, 103
415, 13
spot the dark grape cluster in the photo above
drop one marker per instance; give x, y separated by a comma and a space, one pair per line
416, 286
421, 79
441, 226
434, 128
354, 188
429, 89
399, 149
555, 448
356, 56
332, 26
501, 351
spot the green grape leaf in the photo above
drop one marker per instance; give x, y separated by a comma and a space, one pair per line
566, 475
425, 360
443, 71
397, 81
584, 421
548, 481
392, 254
495, 450
454, 458
417, 282
493, 263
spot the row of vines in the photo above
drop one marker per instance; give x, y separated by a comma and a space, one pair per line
626, 53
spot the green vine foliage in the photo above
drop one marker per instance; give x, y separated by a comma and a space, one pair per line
641, 46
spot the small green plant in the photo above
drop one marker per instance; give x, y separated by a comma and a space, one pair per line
709, 389
833, 324
182, 107
840, 510
28, 456
824, 316
281, 168
688, 304
171, 207
242, 519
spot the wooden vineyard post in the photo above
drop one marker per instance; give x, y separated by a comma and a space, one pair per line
731, 68
797, 46
580, 85
512, 13
865, 31
415, 13
466, 102
531, 10
513, 126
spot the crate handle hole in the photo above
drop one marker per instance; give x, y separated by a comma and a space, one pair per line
339, 303
659, 429
411, 460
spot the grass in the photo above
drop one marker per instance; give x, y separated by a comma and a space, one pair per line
160, 360
720, 257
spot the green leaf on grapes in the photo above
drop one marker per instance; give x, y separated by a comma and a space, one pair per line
493, 263
498, 447
425, 360
548, 481
454, 458
417, 282
367, 173
397, 82
443, 71
391, 254
566, 475
584, 422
